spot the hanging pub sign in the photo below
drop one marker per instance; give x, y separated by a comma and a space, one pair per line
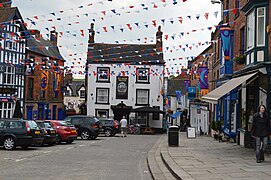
191, 92
122, 87
44, 80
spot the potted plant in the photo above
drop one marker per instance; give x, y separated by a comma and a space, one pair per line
240, 59
214, 129
219, 129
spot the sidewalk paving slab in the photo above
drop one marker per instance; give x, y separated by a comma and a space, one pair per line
205, 158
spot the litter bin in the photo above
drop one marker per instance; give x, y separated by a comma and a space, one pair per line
173, 136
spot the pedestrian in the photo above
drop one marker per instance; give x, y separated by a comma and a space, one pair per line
260, 131
123, 125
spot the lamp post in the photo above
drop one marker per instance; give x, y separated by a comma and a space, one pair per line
215, 1
219, 2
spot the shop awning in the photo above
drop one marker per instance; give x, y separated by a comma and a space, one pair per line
147, 110
175, 115
217, 93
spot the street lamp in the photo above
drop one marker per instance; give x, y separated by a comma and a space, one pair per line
215, 1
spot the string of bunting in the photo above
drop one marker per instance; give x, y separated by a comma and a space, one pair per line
113, 28
115, 11
4, 36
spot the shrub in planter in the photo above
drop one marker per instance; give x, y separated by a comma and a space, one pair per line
213, 125
219, 129
241, 59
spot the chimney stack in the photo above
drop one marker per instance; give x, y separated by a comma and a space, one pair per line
53, 37
36, 33
91, 35
5, 3
159, 37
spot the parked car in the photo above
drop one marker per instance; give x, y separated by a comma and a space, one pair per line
19, 132
88, 127
50, 136
65, 131
110, 127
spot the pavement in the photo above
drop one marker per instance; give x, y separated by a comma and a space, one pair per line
205, 158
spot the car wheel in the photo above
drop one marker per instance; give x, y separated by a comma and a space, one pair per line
108, 132
9, 143
93, 137
58, 139
39, 144
85, 134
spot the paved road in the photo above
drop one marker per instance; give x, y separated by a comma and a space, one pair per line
105, 158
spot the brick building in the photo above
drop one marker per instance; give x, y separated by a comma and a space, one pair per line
44, 78
244, 74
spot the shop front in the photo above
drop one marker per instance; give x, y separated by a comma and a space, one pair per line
233, 101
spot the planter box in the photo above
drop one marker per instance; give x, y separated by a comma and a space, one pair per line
213, 132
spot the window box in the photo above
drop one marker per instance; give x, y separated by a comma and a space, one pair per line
241, 59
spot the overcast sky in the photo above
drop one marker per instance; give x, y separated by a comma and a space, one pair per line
72, 17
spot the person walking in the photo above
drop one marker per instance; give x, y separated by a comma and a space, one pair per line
123, 125
260, 131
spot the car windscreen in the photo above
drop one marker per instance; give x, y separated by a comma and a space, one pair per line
32, 124
65, 123
47, 125
41, 124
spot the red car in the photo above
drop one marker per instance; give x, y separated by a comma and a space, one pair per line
65, 131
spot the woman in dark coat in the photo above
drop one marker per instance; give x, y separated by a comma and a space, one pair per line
260, 130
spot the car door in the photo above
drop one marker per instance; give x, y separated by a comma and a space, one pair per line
103, 125
2, 123
76, 122
16, 128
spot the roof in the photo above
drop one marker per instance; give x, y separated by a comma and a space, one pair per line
125, 53
8, 14
76, 85
40, 47
174, 85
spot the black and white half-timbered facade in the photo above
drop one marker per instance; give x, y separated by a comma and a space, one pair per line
12, 55
126, 80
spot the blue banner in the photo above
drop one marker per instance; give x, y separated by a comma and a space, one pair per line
225, 41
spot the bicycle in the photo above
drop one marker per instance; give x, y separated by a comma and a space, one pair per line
134, 129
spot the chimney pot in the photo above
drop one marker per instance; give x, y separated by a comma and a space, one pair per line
6, 3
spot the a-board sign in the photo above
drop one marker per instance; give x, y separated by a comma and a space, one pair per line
191, 132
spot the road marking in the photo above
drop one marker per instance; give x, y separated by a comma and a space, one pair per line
18, 160
47, 151
82, 145
70, 148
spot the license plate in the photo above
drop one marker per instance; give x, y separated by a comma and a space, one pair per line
53, 132
73, 130
37, 132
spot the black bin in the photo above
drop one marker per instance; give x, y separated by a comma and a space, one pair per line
173, 136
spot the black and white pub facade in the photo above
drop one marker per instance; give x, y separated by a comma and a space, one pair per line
12, 56
126, 80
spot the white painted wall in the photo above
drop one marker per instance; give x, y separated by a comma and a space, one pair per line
201, 119
154, 86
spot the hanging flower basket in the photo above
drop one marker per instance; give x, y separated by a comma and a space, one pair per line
241, 59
